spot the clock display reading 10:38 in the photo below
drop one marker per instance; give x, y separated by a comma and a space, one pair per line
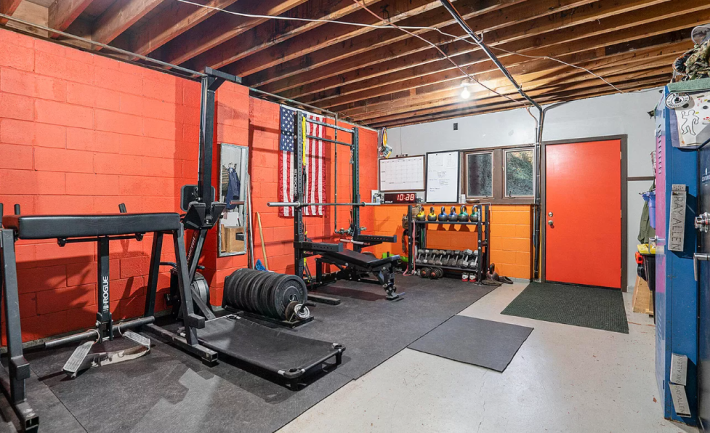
400, 197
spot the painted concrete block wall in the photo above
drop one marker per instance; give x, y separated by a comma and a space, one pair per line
595, 117
81, 133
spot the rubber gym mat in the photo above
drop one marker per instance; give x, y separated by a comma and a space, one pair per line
170, 390
590, 307
474, 341
268, 348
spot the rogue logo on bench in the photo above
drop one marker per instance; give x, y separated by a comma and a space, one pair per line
104, 293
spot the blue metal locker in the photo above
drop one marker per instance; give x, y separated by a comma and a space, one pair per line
676, 297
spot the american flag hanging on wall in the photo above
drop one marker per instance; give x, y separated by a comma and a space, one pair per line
314, 178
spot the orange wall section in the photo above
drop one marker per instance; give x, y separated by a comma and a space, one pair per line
81, 133
511, 235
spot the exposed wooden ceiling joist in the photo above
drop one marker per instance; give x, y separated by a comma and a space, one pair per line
8, 7
119, 17
385, 76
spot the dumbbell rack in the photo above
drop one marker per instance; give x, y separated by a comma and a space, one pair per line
419, 231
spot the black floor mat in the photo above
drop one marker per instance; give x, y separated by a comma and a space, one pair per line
474, 341
171, 391
267, 348
590, 307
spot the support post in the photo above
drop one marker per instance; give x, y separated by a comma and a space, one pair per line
356, 186
298, 233
103, 316
18, 367
153, 274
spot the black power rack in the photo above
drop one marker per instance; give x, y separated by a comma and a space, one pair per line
418, 229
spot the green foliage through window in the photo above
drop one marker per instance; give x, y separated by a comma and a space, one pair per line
519, 173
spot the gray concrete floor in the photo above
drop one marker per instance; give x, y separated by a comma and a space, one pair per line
563, 379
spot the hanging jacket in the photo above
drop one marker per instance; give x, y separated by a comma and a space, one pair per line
233, 188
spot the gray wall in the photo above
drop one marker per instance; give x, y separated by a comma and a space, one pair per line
595, 117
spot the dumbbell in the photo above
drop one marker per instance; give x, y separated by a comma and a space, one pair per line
436, 273
436, 256
466, 258
425, 272
474, 260
427, 256
454, 258
420, 255
444, 257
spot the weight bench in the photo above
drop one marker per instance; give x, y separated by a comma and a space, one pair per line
353, 264
86, 228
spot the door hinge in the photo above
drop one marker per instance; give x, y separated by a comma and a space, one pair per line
621, 155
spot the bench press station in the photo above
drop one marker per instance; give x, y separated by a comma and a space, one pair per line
352, 264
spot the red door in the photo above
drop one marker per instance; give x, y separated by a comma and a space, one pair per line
583, 198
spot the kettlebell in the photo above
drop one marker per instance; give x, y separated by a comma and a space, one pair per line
453, 216
421, 216
443, 216
474, 215
463, 216
432, 215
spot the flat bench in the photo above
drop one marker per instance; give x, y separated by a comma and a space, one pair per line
100, 228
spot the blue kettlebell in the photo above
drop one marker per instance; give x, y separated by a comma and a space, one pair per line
443, 216
453, 216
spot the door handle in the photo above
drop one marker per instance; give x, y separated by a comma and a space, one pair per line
696, 258
702, 222
550, 223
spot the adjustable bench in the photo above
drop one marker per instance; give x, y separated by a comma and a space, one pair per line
354, 263
87, 228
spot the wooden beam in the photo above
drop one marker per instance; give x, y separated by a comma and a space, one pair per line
595, 39
175, 20
372, 49
274, 32
222, 27
64, 12
630, 84
343, 84
535, 84
246, 47
478, 63
119, 17
586, 94
8, 7
329, 34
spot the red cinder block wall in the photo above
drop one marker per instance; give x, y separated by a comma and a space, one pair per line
81, 133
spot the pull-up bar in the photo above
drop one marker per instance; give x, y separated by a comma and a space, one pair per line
328, 125
328, 140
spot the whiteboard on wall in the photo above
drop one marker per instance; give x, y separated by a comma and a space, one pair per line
402, 174
442, 180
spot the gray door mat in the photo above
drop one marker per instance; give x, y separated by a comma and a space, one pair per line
474, 341
589, 307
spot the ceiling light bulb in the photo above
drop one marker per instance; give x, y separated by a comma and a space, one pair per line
465, 94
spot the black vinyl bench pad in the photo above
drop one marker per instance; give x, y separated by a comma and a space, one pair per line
359, 259
75, 226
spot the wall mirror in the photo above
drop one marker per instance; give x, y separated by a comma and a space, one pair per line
232, 191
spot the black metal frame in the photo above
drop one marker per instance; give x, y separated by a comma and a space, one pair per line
483, 230
18, 368
304, 248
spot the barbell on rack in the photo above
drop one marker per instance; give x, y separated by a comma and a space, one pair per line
298, 204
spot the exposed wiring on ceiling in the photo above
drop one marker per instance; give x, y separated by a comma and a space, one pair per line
466, 38
436, 47
322, 20
374, 26
564, 63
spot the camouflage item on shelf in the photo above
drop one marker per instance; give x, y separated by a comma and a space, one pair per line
694, 64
